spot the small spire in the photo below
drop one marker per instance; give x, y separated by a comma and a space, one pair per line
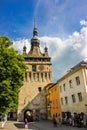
24, 48
46, 49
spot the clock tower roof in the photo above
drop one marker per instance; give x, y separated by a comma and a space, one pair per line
35, 49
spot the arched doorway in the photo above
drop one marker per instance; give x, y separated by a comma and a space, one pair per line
28, 114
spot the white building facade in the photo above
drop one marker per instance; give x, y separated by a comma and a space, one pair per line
73, 89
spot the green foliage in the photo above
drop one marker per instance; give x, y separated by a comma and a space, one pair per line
12, 70
5, 41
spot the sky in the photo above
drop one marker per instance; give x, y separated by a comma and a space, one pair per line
62, 27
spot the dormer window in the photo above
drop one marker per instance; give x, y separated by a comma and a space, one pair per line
34, 68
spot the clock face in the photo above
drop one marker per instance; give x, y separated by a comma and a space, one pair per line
41, 67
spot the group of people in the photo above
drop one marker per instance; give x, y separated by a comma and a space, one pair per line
78, 120
75, 120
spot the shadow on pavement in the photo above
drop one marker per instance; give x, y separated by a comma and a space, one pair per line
19, 125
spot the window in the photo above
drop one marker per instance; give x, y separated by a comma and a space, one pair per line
37, 76
34, 68
80, 97
66, 100
34, 76
55, 89
64, 87
46, 76
62, 101
53, 103
77, 80
48, 102
60, 88
56, 103
42, 76
70, 83
49, 75
39, 89
73, 98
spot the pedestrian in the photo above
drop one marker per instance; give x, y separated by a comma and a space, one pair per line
60, 119
4, 120
26, 123
65, 119
84, 120
54, 121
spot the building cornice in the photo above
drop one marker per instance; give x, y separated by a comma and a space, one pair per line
74, 69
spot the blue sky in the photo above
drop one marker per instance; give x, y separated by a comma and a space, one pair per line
62, 26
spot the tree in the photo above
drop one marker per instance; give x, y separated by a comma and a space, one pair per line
12, 70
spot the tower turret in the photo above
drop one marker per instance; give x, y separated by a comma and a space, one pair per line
24, 50
45, 51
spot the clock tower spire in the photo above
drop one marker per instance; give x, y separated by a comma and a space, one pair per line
35, 49
35, 32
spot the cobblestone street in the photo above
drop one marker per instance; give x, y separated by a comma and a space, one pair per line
40, 125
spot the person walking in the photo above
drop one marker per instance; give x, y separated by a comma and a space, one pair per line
60, 120
26, 123
4, 120
54, 119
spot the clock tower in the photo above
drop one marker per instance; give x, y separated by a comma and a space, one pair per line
32, 103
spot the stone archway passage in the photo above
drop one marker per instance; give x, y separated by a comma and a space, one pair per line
28, 114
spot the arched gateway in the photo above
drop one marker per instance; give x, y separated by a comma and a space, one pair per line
28, 114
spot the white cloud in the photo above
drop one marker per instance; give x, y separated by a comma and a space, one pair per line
83, 22
77, 42
64, 53
19, 43
84, 42
54, 44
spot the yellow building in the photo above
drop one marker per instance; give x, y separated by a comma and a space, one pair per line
48, 103
53, 100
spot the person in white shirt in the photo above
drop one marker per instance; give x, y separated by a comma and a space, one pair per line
4, 120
